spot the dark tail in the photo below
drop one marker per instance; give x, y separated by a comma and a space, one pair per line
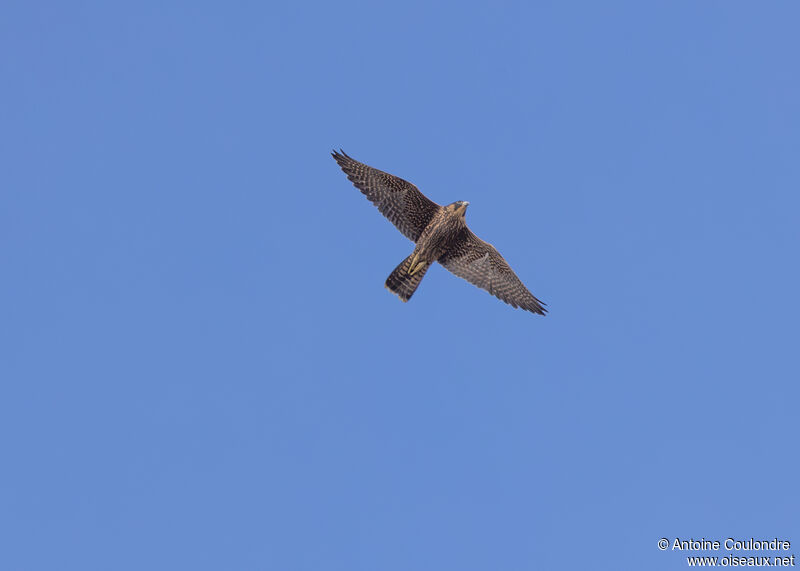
402, 283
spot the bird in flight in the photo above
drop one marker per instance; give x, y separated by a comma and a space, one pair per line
440, 234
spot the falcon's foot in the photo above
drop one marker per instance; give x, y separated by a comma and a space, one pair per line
415, 265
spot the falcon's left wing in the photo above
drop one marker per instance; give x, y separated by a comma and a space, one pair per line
479, 263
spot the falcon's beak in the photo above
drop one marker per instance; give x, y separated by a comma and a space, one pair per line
462, 208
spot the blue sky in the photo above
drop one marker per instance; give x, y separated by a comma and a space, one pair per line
202, 370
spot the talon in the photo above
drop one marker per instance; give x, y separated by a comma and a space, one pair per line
417, 268
413, 263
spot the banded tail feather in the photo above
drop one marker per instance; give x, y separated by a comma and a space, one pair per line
404, 284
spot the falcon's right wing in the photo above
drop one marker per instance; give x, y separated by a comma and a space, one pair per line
400, 201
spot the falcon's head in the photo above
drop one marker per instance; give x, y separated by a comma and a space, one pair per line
458, 207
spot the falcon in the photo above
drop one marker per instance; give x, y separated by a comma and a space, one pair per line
440, 234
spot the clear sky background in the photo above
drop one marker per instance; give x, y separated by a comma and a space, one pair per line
201, 368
